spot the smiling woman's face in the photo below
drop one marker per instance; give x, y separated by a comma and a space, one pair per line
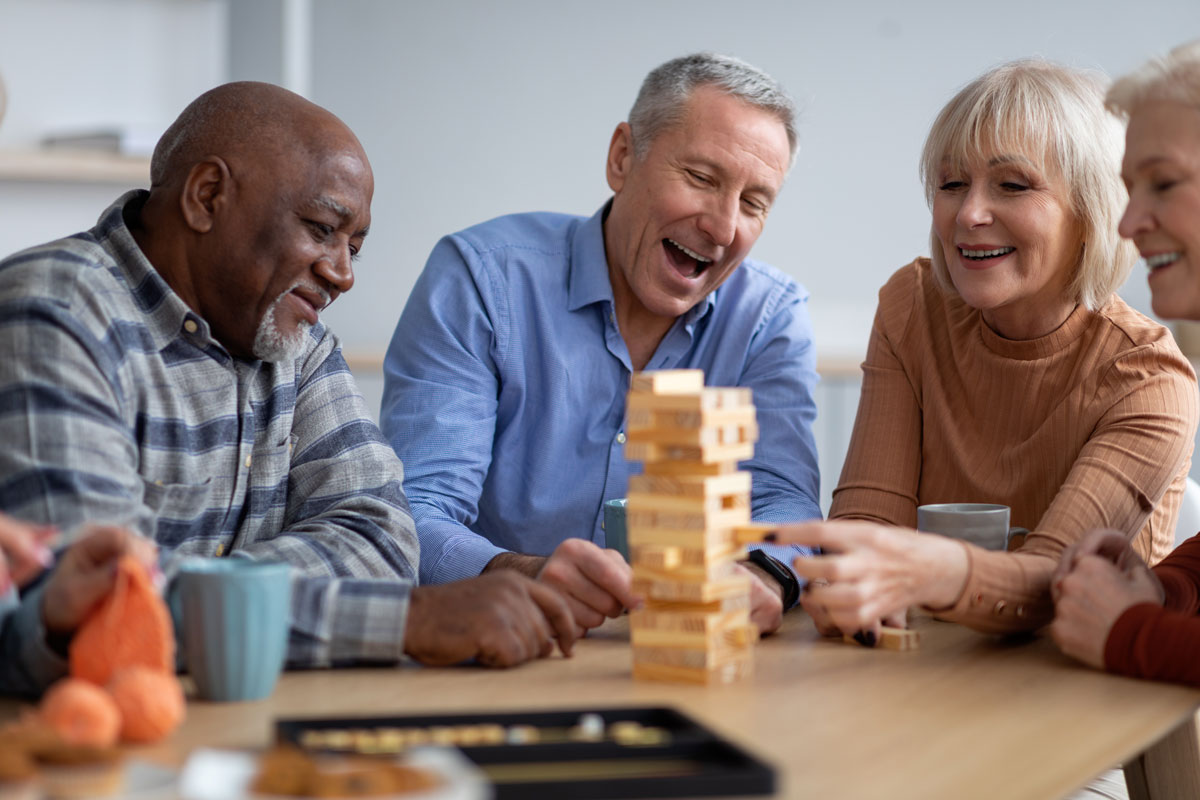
1161, 169
1010, 241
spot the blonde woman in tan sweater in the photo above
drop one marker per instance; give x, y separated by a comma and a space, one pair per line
1005, 370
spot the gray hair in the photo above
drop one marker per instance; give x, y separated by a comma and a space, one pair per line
1055, 116
661, 100
1174, 77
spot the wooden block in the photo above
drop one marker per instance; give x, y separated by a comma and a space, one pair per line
715, 632
668, 381
892, 639
688, 469
698, 505
640, 418
713, 540
652, 555
753, 532
724, 605
717, 435
706, 400
684, 618
741, 635
650, 452
639, 515
716, 570
691, 486
658, 558
690, 592
691, 657
726, 673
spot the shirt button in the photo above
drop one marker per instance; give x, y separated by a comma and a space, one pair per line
190, 326
1020, 611
621, 437
999, 608
248, 462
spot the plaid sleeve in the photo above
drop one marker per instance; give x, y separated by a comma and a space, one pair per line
347, 527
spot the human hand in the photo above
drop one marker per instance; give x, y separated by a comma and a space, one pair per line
1109, 544
597, 583
500, 619
24, 551
86, 572
1091, 597
766, 598
871, 572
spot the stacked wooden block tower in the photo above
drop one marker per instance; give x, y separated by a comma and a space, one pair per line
683, 517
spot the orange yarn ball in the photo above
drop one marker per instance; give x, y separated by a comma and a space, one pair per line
150, 701
81, 713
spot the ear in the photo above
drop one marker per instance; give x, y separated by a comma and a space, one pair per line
206, 187
620, 157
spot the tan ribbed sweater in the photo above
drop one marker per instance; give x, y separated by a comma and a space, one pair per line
1088, 427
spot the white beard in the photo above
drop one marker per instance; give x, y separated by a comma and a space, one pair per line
270, 343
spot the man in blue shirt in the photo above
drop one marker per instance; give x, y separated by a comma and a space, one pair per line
507, 374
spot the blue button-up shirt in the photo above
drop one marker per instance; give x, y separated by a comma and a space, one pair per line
506, 382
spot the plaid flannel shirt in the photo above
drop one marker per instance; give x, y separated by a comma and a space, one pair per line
118, 406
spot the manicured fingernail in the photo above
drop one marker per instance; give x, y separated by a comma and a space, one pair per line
865, 638
45, 556
770, 537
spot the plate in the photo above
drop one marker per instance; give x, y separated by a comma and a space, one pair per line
211, 774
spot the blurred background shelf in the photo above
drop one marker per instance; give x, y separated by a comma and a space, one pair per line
72, 166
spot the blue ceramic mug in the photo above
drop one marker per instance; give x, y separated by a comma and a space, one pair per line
234, 616
614, 527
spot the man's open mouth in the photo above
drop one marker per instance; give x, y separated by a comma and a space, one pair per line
688, 262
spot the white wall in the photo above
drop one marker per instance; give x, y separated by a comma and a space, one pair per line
82, 64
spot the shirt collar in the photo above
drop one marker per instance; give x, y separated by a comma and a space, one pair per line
588, 282
166, 316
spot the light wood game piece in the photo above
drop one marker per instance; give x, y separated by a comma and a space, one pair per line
753, 532
699, 487
892, 639
650, 452
668, 381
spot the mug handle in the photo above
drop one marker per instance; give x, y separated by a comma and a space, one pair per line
1016, 538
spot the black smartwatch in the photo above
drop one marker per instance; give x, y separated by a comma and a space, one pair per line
772, 566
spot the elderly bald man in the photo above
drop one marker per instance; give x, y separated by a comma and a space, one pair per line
167, 371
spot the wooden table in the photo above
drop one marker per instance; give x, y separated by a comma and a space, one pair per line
966, 716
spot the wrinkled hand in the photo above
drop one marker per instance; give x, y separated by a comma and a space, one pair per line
766, 598
596, 582
812, 605
1111, 545
871, 572
1091, 597
86, 571
24, 551
500, 619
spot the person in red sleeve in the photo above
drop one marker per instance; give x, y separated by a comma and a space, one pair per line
1111, 610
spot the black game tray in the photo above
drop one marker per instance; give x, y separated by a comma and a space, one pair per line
689, 761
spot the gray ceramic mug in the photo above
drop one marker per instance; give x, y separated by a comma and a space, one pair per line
615, 536
982, 524
235, 615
